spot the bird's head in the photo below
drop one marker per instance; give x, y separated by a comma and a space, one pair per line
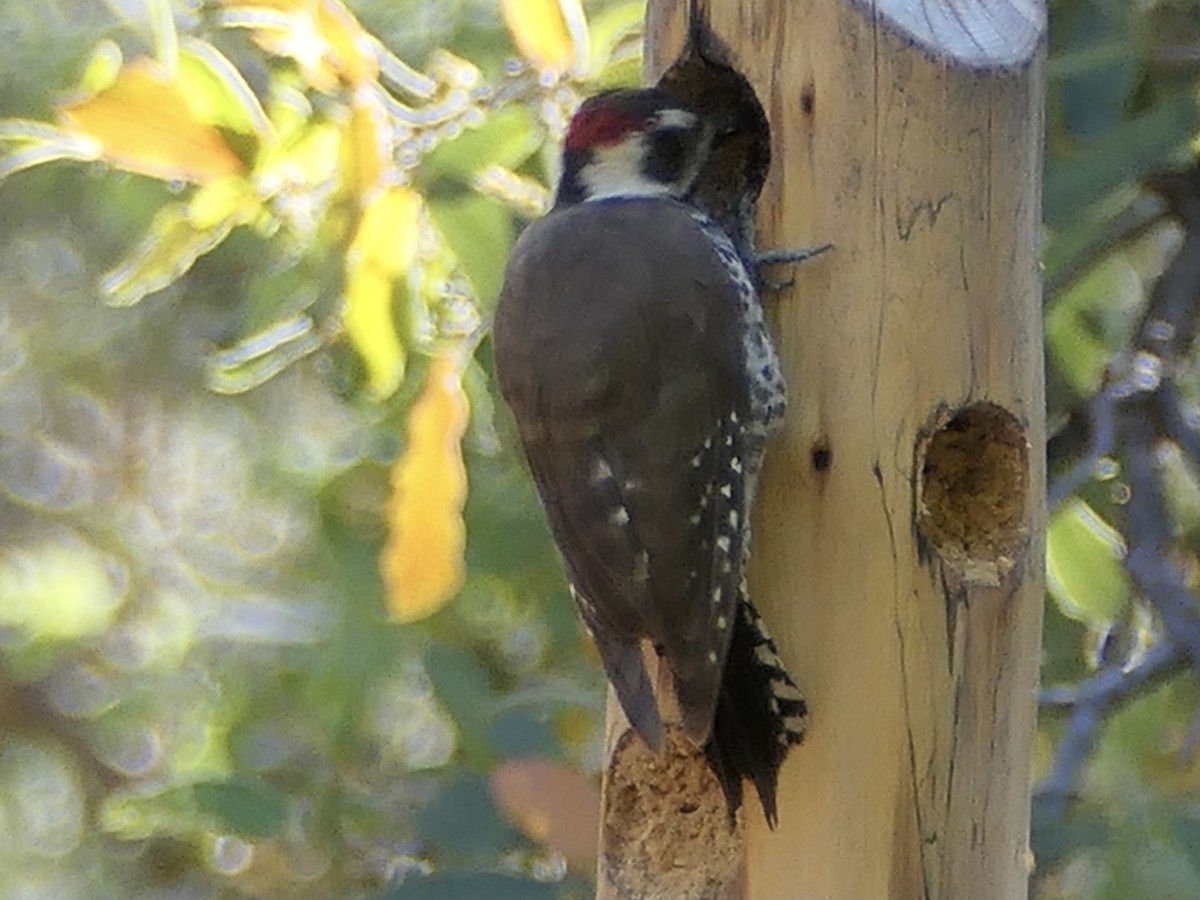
632, 143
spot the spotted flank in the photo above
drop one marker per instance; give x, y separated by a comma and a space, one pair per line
768, 395
760, 713
720, 538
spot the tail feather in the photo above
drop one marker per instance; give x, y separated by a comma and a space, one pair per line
760, 716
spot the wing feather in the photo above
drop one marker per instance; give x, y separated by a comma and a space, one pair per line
617, 346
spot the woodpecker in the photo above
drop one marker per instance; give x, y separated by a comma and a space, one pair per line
631, 345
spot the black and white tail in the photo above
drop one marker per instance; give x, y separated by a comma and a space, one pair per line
760, 715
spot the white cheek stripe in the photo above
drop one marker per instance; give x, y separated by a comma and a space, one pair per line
617, 172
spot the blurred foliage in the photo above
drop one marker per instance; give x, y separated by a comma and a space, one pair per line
234, 493
1117, 785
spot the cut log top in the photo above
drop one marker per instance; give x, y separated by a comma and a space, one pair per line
975, 33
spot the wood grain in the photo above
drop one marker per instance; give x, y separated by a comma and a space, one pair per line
919, 655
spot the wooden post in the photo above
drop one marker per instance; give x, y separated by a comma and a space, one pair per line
899, 534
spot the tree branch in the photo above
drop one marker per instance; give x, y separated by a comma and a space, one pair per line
1089, 703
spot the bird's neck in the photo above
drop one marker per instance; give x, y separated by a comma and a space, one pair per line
605, 173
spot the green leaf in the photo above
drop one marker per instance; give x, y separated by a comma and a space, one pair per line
521, 733
480, 232
612, 28
1088, 322
1062, 638
481, 433
38, 143
1088, 59
1150, 867
465, 689
1186, 830
1125, 153
506, 138
102, 67
1181, 490
132, 814
168, 251
463, 825
1068, 252
217, 91
288, 286
245, 806
1097, 69
256, 359
508, 534
1056, 838
1083, 565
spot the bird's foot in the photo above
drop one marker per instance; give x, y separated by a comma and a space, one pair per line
785, 257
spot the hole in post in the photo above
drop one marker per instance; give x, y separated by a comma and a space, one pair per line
973, 470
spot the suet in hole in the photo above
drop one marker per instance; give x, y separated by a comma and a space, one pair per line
666, 824
973, 477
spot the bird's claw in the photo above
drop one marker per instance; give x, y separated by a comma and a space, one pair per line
781, 257
784, 257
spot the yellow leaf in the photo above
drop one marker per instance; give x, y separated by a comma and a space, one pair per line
367, 147
230, 198
145, 125
321, 35
349, 44
551, 34
372, 332
386, 239
179, 235
287, 28
422, 562
102, 69
307, 158
382, 251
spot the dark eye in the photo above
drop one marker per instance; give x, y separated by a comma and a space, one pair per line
651, 123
